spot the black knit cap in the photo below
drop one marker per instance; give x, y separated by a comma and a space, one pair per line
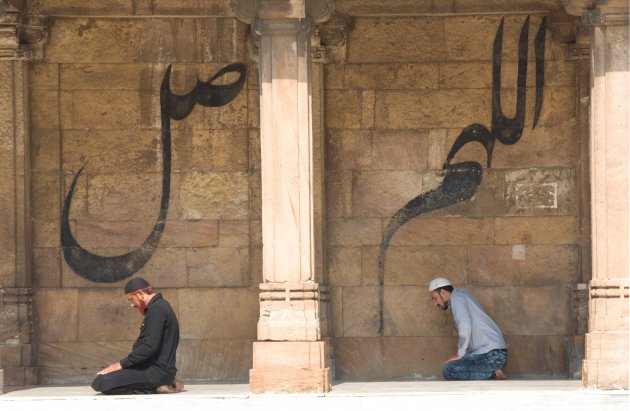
136, 284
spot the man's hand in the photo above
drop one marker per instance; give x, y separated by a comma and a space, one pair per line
110, 368
456, 357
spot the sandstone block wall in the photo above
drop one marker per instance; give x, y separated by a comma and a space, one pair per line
397, 93
396, 99
96, 103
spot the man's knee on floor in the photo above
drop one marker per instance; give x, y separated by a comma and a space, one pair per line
449, 372
97, 384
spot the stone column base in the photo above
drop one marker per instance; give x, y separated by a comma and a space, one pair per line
20, 376
606, 363
290, 367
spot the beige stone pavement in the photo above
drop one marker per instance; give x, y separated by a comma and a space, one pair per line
507, 395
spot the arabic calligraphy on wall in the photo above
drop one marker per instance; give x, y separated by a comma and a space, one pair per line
108, 269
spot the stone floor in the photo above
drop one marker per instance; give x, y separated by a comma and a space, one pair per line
509, 395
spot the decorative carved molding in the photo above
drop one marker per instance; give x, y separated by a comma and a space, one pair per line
577, 7
609, 288
251, 10
609, 17
599, 12
20, 39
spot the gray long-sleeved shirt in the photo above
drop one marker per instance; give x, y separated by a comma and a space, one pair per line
477, 333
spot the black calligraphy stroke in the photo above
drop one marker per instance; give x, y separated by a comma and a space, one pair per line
461, 180
103, 269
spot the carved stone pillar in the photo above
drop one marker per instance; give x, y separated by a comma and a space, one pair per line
606, 363
291, 354
16, 343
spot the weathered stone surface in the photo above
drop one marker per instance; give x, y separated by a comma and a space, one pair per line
608, 314
386, 39
43, 76
211, 150
339, 194
45, 149
124, 196
191, 233
344, 266
112, 151
45, 196
431, 109
9, 325
391, 76
562, 99
166, 268
357, 231
44, 108
343, 109
381, 194
541, 310
418, 358
409, 311
104, 109
11, 355
231, 116
96, 234
377, 150
234, 233
221, 359
541, 147
255, 266
460, 45
358, 358
46, 265
531, 355
525, 265
289, 320
536, 230
68, 355
445, 231
218, 313
419, 265
126, 40
217, 267
335, 76
105, 315
369, 265
360, 311
46, 233
57, 313
214, 195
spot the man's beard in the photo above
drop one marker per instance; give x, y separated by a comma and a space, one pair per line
142, 307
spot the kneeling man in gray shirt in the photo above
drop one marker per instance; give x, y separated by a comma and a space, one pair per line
481, 349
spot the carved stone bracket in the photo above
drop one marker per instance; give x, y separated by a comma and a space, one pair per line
21, 39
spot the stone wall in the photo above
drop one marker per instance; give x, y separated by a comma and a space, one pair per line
398, 91
95, 100
398, 94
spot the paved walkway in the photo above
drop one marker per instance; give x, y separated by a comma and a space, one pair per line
510, 395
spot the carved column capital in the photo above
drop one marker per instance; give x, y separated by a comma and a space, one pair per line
609, 13
250, 10
577, 7
20, 39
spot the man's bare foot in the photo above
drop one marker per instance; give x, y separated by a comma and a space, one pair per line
499, 375
177, 386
